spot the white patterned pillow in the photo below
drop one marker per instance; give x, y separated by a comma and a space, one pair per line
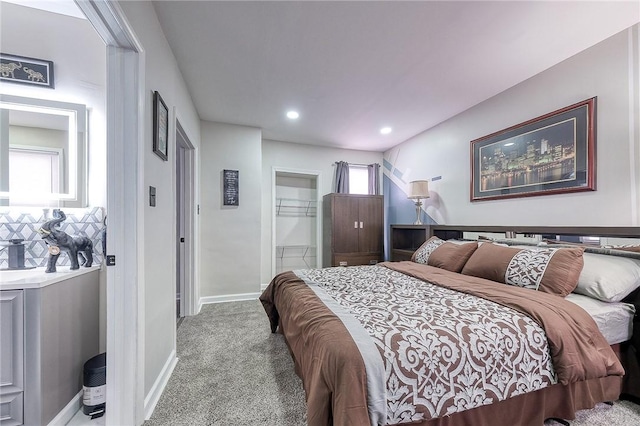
422, 254
527, 267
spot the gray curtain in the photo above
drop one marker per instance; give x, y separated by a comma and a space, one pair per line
342, 177
374, 178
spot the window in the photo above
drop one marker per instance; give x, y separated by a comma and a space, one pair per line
358, 179
34, 175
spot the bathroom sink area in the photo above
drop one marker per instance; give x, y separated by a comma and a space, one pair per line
20, 273
49, 328
37, 278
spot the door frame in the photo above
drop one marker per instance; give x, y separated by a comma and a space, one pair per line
125, 134
189, 300
312, 173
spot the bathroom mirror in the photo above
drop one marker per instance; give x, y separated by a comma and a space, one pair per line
42, 152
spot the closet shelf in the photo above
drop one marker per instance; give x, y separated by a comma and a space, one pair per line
296, 251
295, 207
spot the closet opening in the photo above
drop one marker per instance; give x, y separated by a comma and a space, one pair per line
296, 231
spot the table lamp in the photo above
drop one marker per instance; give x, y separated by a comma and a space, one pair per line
418, 189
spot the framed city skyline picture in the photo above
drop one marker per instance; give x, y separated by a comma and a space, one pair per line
550, 154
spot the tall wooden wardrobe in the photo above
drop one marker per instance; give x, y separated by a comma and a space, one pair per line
353, 229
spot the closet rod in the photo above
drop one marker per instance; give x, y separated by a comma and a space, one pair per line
356, 164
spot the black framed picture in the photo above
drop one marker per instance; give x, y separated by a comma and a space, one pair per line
24, 70
550, 154
160, 127
230, 188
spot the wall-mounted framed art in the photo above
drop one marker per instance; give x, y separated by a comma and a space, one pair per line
550, 154
230, 188
24, 70
160, 127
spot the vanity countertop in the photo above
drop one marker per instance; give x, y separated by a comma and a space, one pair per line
37, 278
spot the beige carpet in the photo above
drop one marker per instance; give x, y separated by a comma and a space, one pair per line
233, 371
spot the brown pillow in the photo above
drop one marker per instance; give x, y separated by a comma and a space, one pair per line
551, 270
445, 255
452, 257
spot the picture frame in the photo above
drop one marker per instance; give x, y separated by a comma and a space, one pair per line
230, 188
25, 70
160, 127
551, 154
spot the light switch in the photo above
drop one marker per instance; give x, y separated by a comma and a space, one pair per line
152, 196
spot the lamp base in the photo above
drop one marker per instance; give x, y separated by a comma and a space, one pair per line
418, 211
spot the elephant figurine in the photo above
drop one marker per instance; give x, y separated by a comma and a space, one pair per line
58, 240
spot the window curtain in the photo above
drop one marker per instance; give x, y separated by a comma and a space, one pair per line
342, 177
374, 178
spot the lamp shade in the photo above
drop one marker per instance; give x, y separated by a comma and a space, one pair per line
419, 189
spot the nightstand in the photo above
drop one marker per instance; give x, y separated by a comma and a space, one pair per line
405, 239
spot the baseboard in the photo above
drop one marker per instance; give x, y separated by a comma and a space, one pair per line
228, 298
67, 413
153, 396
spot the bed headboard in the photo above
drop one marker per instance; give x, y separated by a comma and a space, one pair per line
562, 233
452, 231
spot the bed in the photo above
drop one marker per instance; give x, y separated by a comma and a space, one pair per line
440, 340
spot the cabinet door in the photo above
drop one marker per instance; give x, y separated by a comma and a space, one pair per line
11, 357
371, 216
11, 341
345, 224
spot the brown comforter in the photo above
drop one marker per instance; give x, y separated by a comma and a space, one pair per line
332, 368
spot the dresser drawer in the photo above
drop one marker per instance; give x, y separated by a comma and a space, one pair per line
356, 259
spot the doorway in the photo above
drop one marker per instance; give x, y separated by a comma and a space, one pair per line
185, 183
125, 205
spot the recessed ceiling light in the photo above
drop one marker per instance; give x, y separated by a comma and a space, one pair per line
293, 115
385, 130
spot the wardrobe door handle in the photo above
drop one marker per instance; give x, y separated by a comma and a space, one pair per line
355, 225
360, 225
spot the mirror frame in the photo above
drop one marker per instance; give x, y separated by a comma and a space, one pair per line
76, 175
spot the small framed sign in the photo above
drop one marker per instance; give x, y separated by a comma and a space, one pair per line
230, 196
160, 127
23, 70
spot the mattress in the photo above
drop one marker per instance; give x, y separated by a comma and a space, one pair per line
614, 319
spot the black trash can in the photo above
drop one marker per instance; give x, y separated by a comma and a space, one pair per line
94, 389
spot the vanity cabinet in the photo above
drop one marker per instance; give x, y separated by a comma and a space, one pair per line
11, 357
49, 329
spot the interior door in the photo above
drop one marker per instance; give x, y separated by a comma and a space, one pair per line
181, 268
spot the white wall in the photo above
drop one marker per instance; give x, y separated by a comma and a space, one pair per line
230, 236
79, 57
609, 71
161, 74
305, 158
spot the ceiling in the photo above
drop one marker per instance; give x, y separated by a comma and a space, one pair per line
351, 68
62, 7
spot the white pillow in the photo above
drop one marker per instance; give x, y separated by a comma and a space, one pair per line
608, 278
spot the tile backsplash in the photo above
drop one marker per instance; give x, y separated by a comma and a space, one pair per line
24, 223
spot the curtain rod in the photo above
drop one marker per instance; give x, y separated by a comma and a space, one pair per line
357, 164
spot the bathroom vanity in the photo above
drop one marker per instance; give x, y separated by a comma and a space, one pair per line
49, 326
